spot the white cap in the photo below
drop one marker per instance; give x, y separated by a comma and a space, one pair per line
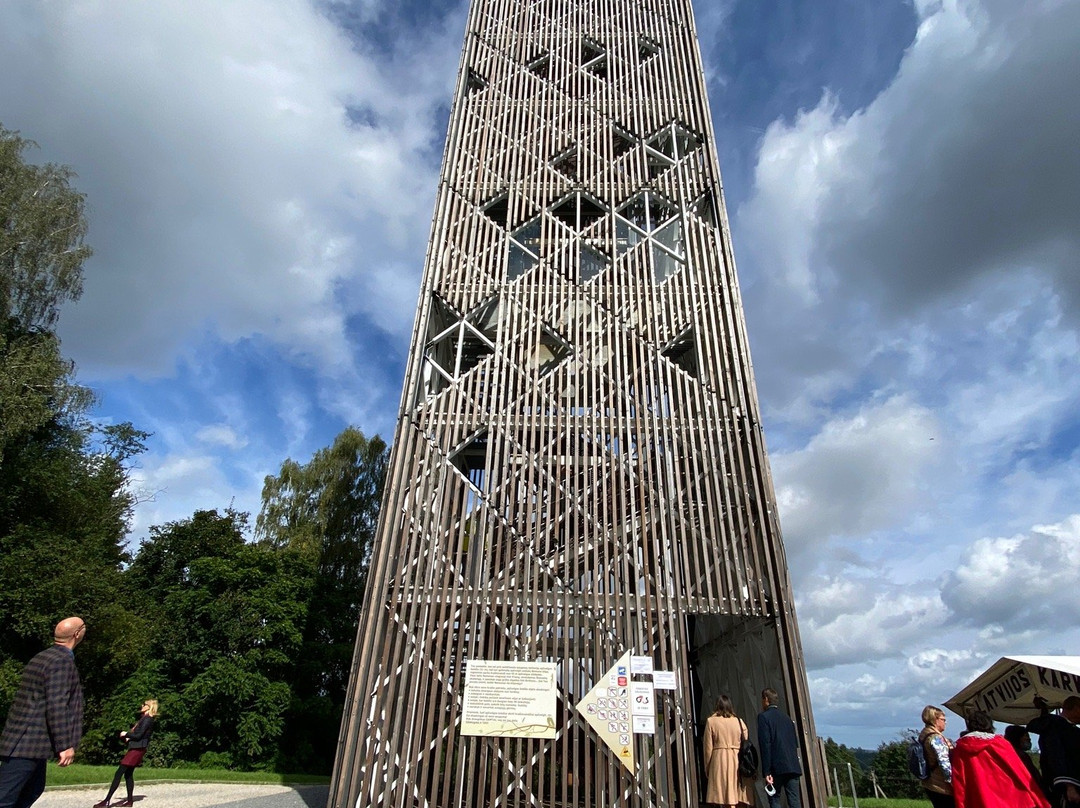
770, 789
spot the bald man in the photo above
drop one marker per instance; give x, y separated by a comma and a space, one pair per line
45, 719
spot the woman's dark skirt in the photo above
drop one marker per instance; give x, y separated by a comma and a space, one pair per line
133, 757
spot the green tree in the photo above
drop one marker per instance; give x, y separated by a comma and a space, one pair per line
327, 510
64, 513
36, 383
226, 623
891, 767
42, 226
838, 756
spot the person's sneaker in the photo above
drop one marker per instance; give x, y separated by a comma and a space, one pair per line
102, 804
124, 804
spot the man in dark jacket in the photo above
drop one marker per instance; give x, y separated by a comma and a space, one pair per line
45, 719
1059, 748
779, 751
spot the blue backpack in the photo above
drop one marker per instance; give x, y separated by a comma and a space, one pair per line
916, 760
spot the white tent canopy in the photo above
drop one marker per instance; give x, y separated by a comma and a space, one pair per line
1007, 689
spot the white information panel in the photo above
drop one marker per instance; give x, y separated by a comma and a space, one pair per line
509, 699
642, 698
641, 664
664, 680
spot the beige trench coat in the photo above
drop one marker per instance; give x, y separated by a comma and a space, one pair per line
722, 737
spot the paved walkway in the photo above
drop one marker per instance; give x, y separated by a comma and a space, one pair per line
193, 795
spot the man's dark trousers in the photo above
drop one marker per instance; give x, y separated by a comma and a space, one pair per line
789, 784
22, 780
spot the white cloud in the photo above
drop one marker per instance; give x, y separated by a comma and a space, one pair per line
1027, 383
856, 693
933, 665
962, 167
922, 384
221, 435
871, 703
227, 185
847, 619
891, 648
797, 168
859, 474
1023, 581
955, 184
174, 486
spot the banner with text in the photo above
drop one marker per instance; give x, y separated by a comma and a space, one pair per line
509, 699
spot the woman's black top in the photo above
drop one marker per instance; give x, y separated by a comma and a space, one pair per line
139, 736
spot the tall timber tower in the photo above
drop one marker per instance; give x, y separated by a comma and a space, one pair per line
579, 477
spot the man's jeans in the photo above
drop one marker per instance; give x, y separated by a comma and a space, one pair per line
787, 784
21, 781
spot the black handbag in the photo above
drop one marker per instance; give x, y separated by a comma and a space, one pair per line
748, 755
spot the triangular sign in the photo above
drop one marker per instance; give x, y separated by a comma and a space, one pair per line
607, 709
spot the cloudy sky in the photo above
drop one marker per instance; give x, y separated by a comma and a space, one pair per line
903, 183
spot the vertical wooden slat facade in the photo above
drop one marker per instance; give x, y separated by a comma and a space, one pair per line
579, 467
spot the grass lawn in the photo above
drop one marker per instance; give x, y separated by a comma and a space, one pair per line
79, 774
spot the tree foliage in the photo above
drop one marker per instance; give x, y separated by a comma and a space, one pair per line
887, 764
64, 512
37, 384
327, 510
838, 757
225, 620
890, 765
246, 644
42, 226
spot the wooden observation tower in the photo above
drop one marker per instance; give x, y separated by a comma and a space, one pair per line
578, 471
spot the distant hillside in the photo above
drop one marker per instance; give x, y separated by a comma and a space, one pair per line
864, 756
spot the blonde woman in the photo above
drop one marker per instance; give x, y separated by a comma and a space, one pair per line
138, 738
724, 732
937, 748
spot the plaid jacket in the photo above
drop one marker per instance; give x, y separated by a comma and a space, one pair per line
46, 716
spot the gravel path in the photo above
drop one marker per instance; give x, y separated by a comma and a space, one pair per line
193, 795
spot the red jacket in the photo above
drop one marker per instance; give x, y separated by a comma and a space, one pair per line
987, 773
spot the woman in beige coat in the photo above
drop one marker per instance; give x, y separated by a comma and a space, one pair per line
724, 732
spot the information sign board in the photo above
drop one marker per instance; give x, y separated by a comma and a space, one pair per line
509, 699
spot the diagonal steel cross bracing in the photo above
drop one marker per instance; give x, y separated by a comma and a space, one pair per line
579, 468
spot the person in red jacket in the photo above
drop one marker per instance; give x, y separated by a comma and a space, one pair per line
987, 772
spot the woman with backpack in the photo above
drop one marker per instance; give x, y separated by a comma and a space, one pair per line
937, 749
724, 733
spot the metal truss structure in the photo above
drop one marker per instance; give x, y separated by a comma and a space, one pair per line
579, 467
